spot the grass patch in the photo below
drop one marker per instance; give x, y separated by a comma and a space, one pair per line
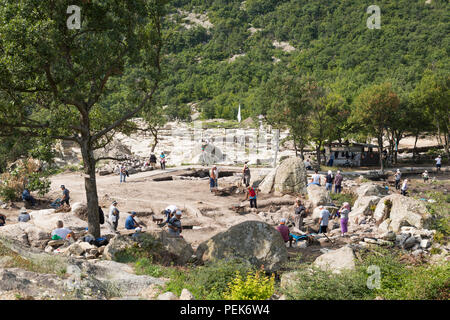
340, 198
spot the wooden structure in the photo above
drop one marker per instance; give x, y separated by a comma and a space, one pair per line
353, 154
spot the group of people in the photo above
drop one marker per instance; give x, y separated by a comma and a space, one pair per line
330, 179
324, 218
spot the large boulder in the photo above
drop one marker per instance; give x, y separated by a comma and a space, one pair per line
117, 245
15, 232
364, 205
291, 176
337, 260
371, 189
80, 210
317, 195
253, 241
288, 177
404, 211
177, 248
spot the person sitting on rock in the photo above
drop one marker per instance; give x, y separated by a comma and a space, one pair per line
307, 164
2, 220
323, 219
284, 231
26, 196
66, 196
62, 233
174, 225
130, 223
315, 178
251, 195
24, 216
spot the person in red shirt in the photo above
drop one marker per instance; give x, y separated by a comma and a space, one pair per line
251, 194
284, 231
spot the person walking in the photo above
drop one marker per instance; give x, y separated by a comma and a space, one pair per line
329, 181
397, 176
338, 182
344, 212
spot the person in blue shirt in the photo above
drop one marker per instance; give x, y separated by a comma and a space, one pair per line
66, 197
26, 196
130, 223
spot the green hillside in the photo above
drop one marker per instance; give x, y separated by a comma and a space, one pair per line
331, 40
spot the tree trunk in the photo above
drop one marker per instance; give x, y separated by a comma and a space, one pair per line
318, 155
415, 147
155, 137
90, 187
380, 150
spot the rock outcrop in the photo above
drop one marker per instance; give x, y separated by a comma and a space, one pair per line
288, 177
337, 260
317, 195
253, 241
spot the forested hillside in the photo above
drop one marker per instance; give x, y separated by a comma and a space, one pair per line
219, 52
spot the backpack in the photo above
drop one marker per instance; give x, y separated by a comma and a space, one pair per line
100, 242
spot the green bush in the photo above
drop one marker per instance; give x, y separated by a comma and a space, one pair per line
207, 282
340, 198
146, 266
256, 286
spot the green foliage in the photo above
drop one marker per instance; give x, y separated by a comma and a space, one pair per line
207, 282
340, 198
256, 286
148, 248
147, 267
399, 281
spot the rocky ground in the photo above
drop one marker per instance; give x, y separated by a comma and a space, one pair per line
216, 230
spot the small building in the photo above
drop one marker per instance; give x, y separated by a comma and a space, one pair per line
352, 154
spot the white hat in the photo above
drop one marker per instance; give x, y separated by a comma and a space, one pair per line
138, 229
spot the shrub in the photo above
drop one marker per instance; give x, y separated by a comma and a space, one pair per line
340, 198
256, 286
146, 266
207, 282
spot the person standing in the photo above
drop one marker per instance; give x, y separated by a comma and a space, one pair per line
251, 194
438, 163
153, 161
329, 181
344, 212
397, 176
323, 219
246, 174
300, 213
425, 176
114, 216
66, 195
338, 182
162, 160
123, 173
213, 176
331, 160
404, 187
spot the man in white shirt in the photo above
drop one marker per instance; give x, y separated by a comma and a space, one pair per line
114, 215
315, 178
323, 220
404, 187
62, 232
438, 163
